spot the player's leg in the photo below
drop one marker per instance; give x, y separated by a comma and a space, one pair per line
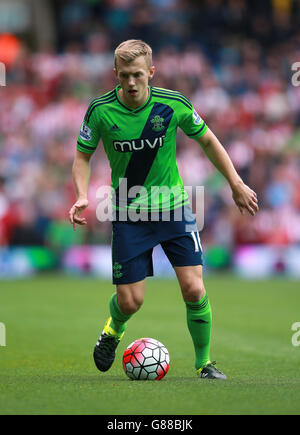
123, 304
131, 263
199, 318
183, 248
198, 311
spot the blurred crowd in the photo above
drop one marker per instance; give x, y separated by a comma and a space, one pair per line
233, 59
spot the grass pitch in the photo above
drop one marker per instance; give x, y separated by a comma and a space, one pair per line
52, 324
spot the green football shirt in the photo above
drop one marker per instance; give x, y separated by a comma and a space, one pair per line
141, 146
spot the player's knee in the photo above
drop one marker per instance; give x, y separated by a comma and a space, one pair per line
130, 307
131, 304
193, 290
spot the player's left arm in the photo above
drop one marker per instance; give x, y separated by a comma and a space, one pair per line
244, 197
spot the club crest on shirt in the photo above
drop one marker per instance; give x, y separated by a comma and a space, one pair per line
157, 122
85, 132
197, 118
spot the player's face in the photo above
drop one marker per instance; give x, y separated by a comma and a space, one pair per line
134, 78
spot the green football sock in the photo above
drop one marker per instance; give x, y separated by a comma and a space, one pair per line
199, 321
119, 319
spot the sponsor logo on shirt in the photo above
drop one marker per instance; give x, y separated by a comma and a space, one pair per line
126, 146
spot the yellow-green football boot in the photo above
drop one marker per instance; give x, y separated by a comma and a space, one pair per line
105, 349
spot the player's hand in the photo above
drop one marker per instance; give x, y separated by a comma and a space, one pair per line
76, 210
245, 199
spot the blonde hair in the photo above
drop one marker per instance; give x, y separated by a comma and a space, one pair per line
131, 49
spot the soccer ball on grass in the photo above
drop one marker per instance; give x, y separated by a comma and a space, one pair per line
146, 359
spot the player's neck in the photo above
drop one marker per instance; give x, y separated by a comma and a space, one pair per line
131, 103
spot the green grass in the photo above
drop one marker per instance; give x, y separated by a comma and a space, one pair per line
53, 322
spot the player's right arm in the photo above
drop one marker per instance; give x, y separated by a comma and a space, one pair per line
81, 176
87, 142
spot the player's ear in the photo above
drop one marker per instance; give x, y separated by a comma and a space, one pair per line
151, 72
115, 72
